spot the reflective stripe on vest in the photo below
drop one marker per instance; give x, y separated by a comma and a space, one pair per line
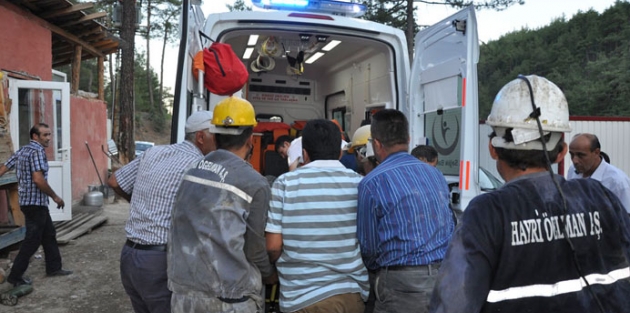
561, 287
240, 193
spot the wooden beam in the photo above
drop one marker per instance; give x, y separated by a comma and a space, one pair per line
101, 78
29, 5
103, 45
74, 39
76, 70
91, 31
94, 37
68, 10
86, 18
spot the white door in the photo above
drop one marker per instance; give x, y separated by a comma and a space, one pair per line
443, 99
45, 102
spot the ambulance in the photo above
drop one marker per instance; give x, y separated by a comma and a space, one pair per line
313, 59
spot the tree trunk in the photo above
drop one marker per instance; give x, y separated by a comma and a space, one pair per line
125, 138
151, 101
410, 27
112, 86
167, 28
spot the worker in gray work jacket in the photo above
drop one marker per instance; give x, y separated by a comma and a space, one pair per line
217, 257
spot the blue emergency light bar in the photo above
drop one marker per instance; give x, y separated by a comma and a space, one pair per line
322, 6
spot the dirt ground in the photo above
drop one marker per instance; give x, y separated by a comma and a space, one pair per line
95, 285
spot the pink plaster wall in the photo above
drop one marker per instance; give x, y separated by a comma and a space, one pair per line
25, 44
26, 47
88, 123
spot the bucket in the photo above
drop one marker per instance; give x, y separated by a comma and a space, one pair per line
102, 188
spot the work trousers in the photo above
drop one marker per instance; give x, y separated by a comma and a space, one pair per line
143, 275
194, 302
39, 231
408, 290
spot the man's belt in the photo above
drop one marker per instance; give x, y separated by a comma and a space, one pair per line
430, 268
239, 300
138, 246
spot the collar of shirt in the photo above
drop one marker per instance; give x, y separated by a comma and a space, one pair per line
191, 146
392, 157
598, 174
325, 164
36, 145
532, 175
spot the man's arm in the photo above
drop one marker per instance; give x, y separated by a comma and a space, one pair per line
113, 183
9, 164
3, 169
42, 184
367, 228
465, 276
274, 246
255, 243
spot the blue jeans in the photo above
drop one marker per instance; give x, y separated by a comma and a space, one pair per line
143, 274
39, 231
405, 290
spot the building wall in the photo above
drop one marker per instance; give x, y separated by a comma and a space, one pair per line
25, 44
88, 124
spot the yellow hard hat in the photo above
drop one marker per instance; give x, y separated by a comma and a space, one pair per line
234, 112
360, 137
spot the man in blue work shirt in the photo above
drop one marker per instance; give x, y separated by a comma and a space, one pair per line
404, 222
34, 190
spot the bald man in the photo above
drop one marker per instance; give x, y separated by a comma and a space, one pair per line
588, 163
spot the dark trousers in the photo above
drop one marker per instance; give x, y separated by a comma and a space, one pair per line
39, 231
143, 274
409, 290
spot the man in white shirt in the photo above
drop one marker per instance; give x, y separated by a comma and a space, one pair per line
588, 163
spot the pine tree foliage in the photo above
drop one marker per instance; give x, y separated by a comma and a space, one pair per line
588, 57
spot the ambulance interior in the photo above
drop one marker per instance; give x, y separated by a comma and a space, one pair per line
299, 75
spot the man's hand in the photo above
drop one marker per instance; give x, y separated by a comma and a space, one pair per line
3, 169
273, 279
59, 201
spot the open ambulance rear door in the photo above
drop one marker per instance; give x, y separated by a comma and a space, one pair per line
351, 67
443, 110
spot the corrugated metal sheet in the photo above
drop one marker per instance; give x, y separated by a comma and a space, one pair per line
614, 137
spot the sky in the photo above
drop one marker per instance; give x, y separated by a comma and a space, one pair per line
491, 24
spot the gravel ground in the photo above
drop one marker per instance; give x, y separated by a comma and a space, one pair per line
95, 284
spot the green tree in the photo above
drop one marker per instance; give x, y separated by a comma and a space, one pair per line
239, 5
587, 56
397, 13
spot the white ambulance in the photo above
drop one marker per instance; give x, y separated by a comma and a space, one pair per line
312, 59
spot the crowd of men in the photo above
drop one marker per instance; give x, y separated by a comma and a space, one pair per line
207, 232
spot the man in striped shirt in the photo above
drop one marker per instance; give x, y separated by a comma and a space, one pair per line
311, 231
404, 222
150, 184
33, 192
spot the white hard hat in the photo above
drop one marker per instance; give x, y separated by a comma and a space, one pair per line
263, 63
512, 108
